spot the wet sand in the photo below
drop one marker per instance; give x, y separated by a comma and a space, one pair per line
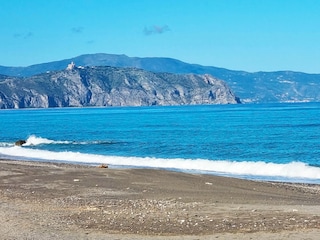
65, 201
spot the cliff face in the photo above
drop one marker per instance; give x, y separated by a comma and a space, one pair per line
258, 87
109, 86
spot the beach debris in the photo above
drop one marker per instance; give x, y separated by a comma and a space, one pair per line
103, 166
76, 180
19, 142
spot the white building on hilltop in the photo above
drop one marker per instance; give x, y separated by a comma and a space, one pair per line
71, 66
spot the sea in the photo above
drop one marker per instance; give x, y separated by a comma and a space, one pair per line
264, 142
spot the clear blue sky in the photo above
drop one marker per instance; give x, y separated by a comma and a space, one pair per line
250, 35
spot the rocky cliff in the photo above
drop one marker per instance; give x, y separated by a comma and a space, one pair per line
258, 87
110, 86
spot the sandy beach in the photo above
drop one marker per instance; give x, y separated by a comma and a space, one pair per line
63, 201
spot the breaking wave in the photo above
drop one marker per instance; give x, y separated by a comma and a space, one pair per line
255, 170
34, 141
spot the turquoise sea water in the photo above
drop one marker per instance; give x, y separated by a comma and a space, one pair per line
256, 141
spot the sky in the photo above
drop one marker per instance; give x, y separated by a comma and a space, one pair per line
248, 35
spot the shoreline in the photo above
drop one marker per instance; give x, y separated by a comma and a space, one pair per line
71, 201
248, 177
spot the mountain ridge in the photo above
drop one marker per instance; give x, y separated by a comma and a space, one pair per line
112, 86
256, 87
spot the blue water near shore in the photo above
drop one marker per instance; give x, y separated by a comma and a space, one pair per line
255, 141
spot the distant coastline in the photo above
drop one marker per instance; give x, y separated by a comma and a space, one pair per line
249, 87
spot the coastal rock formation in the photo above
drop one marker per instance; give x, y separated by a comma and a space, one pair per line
110, 86
255, 87
19, 142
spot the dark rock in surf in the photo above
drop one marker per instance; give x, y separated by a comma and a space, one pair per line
19, 142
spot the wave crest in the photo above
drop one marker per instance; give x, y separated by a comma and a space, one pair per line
34, 141
253, 170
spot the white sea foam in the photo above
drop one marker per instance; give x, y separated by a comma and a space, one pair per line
6, 144
34, 141
293, 170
